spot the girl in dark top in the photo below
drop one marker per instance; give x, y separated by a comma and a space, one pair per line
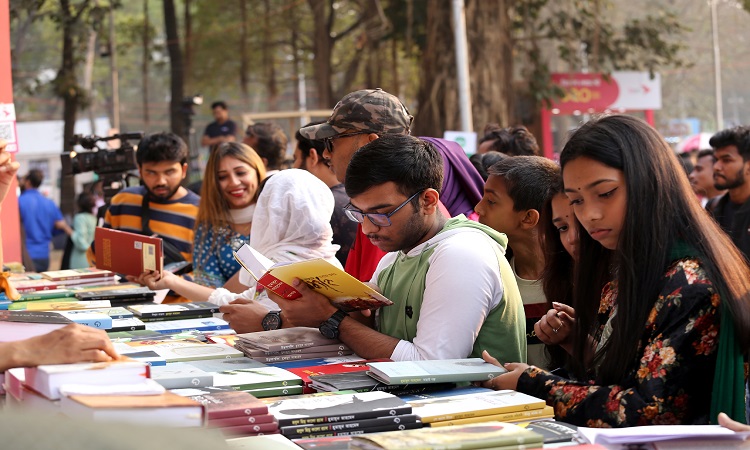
673, 318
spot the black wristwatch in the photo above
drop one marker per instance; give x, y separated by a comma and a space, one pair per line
272, 321
330, 328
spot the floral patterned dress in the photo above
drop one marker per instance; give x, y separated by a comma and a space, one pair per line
671, 381
213, 261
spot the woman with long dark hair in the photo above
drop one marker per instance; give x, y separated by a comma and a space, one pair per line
674, 316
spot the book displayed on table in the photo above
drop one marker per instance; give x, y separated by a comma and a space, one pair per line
362, 382
517, 417
306, 372
163, 409
475, 436
93, 319
46, 295
264, 442
343, 290
237, 413
127, 324
452, 407
31, 286
18, 325
47, 379
551, 430
59, 305
173, 310
179, 350
244, 374
89, 273
434, 371
127, 253
129, 294
176, 326
286, 339
388, 423
337, 408
325, 443
181, 375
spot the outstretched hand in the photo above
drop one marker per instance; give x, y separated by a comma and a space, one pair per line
310, 310
507, 380
153, 279
733, 425
70, 344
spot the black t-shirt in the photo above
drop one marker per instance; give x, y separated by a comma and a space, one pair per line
214, 129
727, 217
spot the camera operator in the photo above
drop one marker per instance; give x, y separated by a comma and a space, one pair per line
161, 206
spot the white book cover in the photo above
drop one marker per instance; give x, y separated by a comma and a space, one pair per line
434, 371
47, 379
180, 375
204, 324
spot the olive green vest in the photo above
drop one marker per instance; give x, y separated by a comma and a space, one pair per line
503, 333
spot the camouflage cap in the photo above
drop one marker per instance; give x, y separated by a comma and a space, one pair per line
372, 110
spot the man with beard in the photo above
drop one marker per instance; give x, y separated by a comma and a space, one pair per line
454, 292
732, 172
160, 205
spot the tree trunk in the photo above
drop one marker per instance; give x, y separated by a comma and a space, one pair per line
145, 65
244, 63
177, 117
491, 68
269, 64
322, 48
188, 59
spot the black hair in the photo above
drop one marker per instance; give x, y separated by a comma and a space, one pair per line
476, 161
409, 162
705, 152
35, 177
655, 183
86, 202
686, 161
530, 180
271, 143
158, 147
219, 104
513, 141
737, 136
305, 145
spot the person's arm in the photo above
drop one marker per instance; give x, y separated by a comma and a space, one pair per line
63, 225
70, 344
461, 288
167, 280
678, 356
209, 141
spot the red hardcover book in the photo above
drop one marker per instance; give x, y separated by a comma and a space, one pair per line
328, 369
29, 286
127, 253
242, 420
220, 405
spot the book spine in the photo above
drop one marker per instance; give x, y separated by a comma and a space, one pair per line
355, 431
166, 319
276, 392
146, 296
41, 295
278, 287
175, 314
242, 420
439, 378
114, 329
504, 417
199, 329
402, 410
32, 289
477, 413
226, 414
357, 424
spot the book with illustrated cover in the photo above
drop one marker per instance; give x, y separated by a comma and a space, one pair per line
342, 289
116, 312
179, 350
517, 417
60, 305
286, 339
173, 309
434, 371
77, 274
552, 431
474, 436
440, 408
244, 374
127, 253
337, 408
297, 431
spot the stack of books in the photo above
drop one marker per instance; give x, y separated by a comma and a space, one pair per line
79, 277
346, 368
175, 318
289, 344
244, 374
341, 414
118, 297
474, 404
237, 413
494, 435
176, 350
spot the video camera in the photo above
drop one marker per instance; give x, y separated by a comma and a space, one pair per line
112, 165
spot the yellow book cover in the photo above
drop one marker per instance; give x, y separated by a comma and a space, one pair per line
63, 305
533, 414
465, 406
342, 289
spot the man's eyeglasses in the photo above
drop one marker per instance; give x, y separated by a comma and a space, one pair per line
379, 219
328, 142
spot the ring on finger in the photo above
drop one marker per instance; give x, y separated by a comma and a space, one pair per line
555, 330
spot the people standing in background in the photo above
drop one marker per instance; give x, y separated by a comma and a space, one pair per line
269, 141
222, 129
41, 219
225, 216
513, 141
702, 180
84, 224
308, 155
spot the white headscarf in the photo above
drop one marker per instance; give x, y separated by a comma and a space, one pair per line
293, 218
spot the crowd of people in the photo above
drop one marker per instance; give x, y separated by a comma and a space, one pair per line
614, 285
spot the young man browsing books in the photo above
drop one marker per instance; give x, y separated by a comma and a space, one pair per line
72, 343
453, 290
